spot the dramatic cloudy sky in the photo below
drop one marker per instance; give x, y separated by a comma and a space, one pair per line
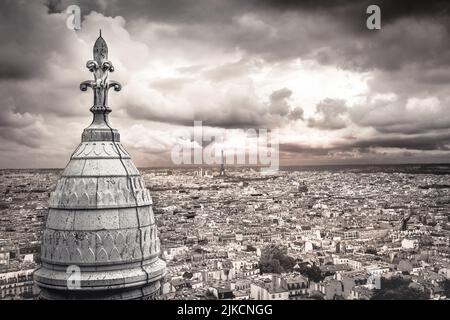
336, 92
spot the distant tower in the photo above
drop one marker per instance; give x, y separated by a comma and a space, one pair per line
404, 221
100, 240
222, 165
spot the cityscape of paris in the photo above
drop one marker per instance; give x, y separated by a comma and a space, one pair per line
235, 151
343, 222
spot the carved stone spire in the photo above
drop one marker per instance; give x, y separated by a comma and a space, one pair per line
100, 240
100, 66
222, 165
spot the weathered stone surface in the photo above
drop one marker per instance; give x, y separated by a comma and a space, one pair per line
98, 246
99, 150
100, 215
100, 192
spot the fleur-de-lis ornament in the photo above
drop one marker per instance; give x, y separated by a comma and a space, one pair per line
100, 66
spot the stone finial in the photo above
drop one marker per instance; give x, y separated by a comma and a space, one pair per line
100, 66
100, 222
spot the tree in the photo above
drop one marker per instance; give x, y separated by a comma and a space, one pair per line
447, 288
371, 251
316, 296
426, 241
398, 288
313, 273
274, 259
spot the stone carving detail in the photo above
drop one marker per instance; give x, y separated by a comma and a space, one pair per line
100, 149
74, 247
112, 192
100, 66
100, 215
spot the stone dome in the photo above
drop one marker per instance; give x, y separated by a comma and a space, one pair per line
100, 240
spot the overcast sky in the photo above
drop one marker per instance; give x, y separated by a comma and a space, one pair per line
337, 92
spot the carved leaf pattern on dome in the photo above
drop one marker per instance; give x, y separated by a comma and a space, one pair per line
119, 197
77, 256
136, 253
120, 241
84, 201
114, 255
90, 256
108, 151
109, 246
105, 198
65, 256
98, 245
98, 240
108, 243
70, 239
88, 150
82, 192
100, 149
102, 256
56, 254
125, 253
72, 199
91, 188
131, 239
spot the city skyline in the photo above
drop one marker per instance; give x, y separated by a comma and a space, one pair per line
340, 229
337, 92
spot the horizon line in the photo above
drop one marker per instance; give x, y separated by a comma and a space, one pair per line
189, 166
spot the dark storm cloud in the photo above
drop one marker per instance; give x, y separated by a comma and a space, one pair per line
427, 142
54, 6
278, 102
304, 149
396, 114
422, 143
211, 10
279, 105
10, 118
29, 39
392, 10
356, 47
403, 115
17, 59
169, 11
329, 115
331, 32
236, 111
31, 138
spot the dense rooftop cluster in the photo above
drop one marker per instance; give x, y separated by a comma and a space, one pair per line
345, 230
